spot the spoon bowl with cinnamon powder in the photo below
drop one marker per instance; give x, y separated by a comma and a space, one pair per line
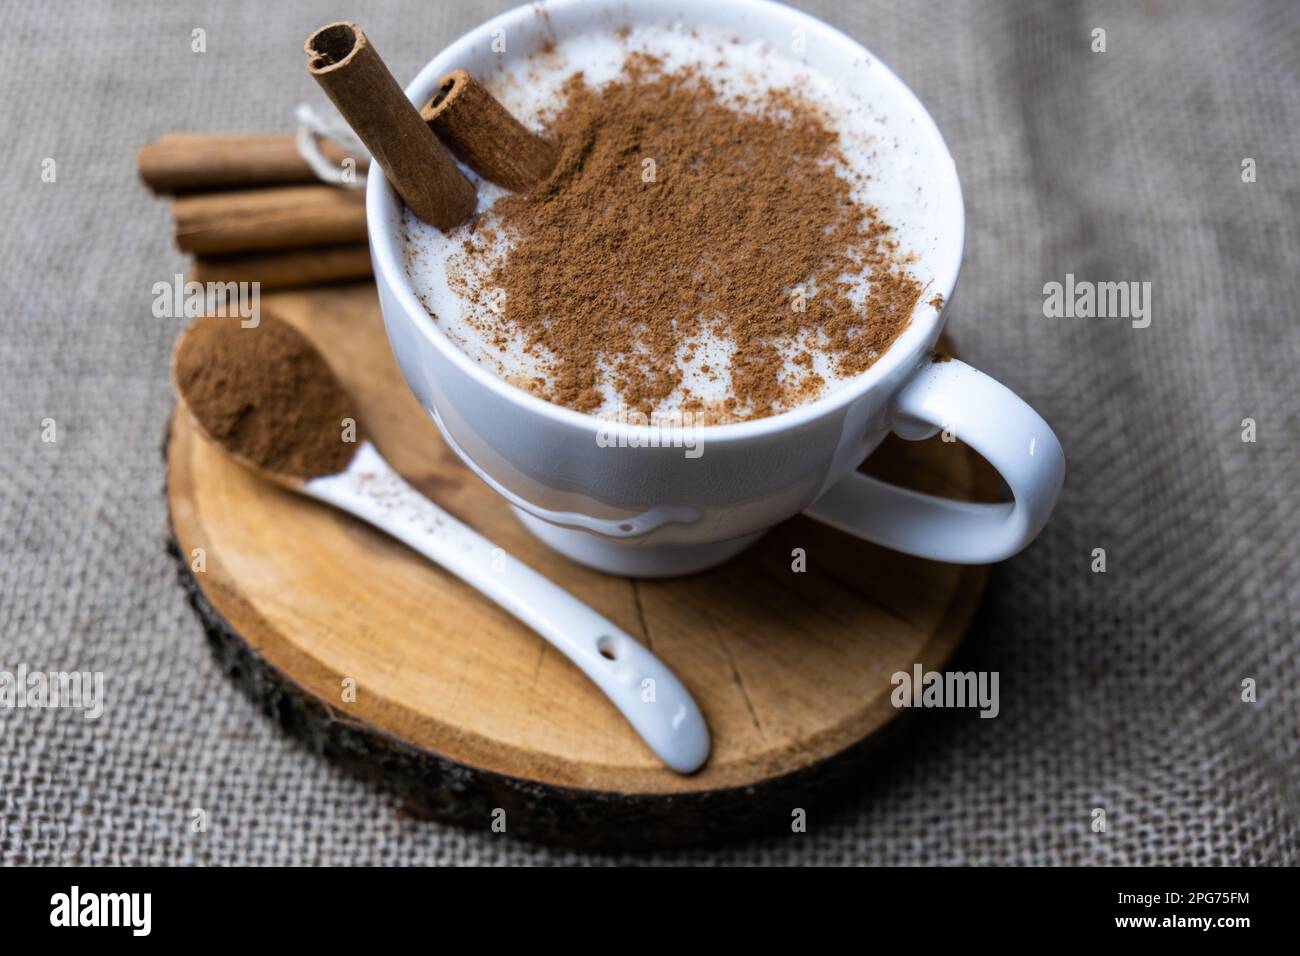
266, 397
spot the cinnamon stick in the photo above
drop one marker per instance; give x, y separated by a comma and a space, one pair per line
485, 136
345, 64
284, 217
283, 269
195, 162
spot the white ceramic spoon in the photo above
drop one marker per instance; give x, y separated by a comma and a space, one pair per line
640, 685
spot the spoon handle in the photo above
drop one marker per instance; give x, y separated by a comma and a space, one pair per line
647, 693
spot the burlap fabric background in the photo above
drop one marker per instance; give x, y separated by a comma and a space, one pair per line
1119, 690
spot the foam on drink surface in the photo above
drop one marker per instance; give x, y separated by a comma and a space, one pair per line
452, 285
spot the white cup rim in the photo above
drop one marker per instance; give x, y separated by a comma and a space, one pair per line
383, 205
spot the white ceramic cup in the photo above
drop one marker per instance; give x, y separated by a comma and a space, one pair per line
654, 511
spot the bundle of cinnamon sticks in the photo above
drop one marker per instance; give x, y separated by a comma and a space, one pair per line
251, 208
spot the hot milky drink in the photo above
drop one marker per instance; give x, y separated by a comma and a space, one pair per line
723, 237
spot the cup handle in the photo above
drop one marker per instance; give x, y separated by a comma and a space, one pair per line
986, 415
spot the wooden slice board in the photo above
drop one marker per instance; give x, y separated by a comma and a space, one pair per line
467, 712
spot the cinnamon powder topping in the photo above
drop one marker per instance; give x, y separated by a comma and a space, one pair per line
672, 217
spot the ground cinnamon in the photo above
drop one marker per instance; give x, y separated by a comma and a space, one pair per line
266, 394
744, 228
